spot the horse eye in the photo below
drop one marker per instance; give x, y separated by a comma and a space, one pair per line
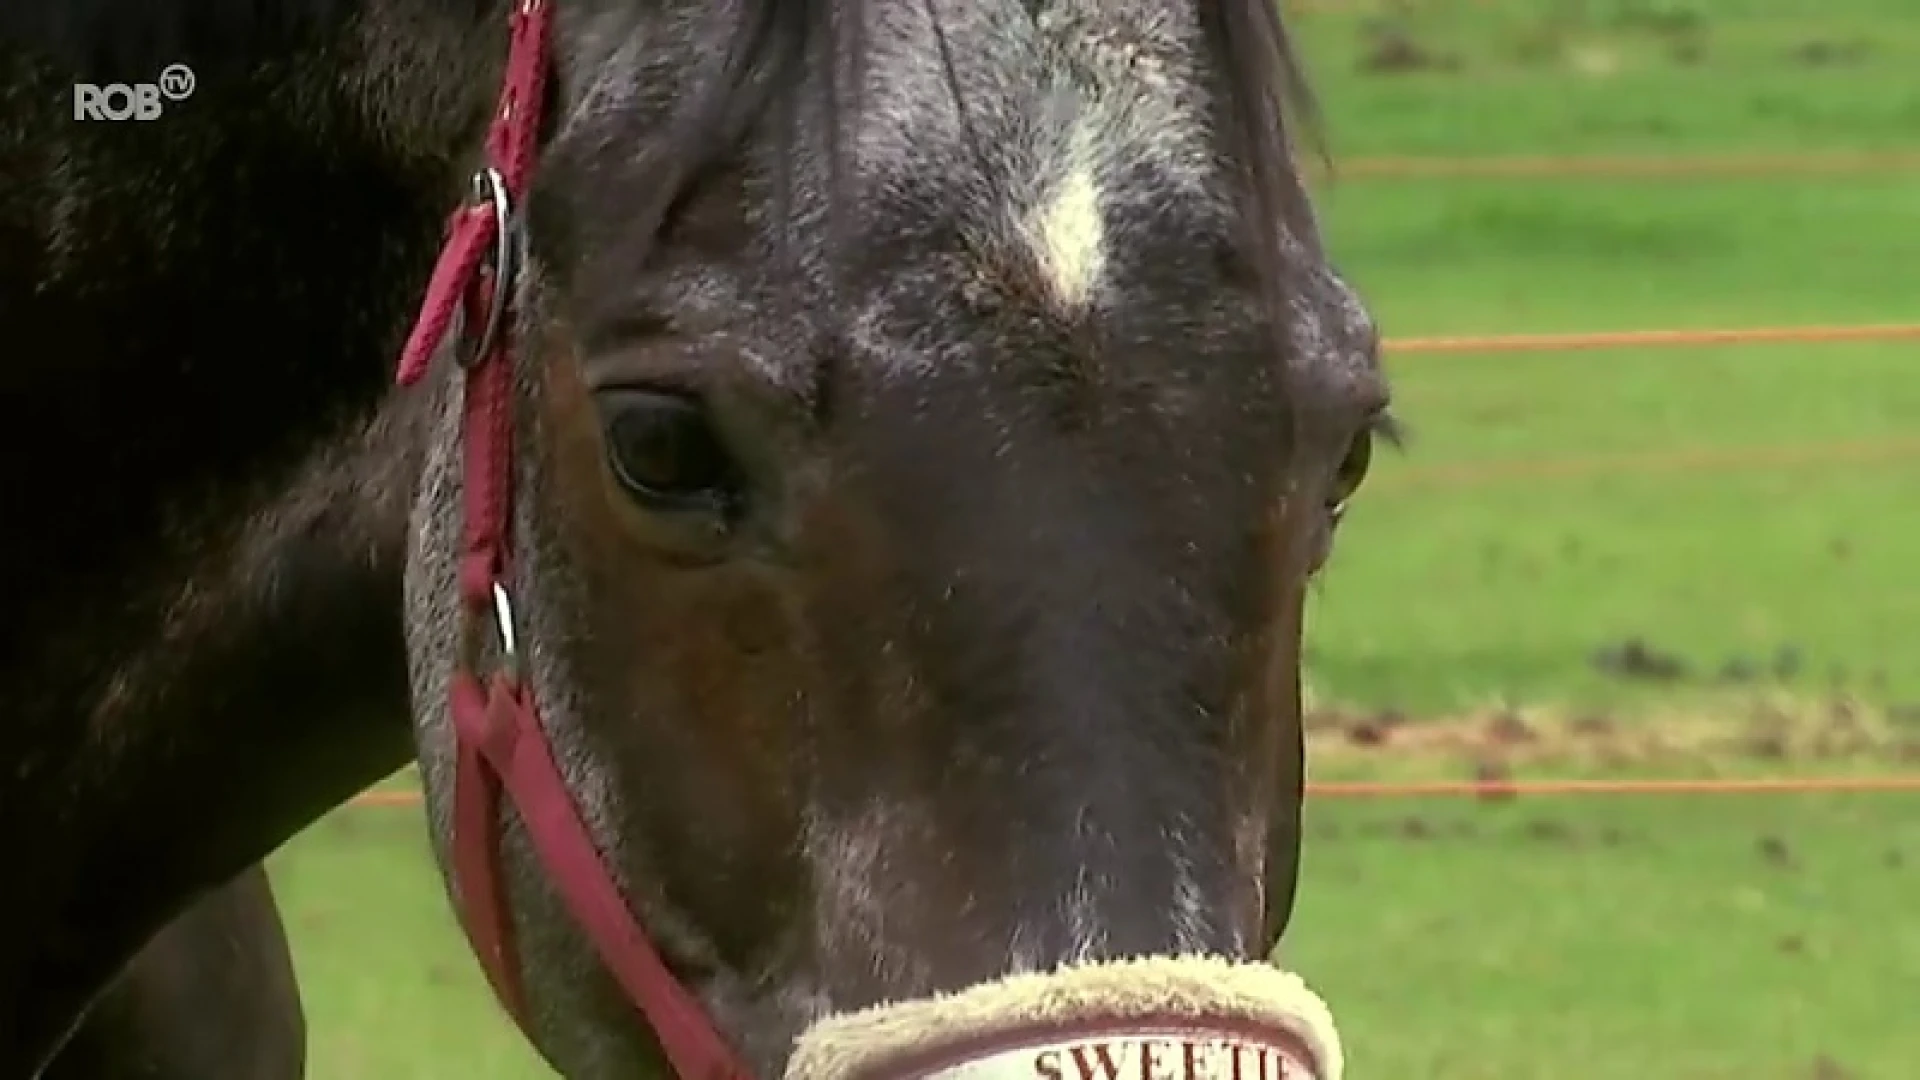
1351, 473
664, 451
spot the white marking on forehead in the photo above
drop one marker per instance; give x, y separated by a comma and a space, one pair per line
1051, 143
1067, 235
1027, 120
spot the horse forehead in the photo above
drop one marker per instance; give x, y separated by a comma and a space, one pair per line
999, 51
1033, 133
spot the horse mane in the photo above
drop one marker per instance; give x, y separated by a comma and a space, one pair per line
132, 40
1264, 87
1266, 84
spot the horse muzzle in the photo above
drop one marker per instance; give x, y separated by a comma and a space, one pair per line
1155, 1018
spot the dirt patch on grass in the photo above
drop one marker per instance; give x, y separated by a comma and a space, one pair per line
1758, 731
1389, 48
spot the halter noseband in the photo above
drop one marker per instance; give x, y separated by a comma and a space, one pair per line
499, 744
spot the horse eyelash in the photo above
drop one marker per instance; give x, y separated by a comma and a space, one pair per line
1386, 426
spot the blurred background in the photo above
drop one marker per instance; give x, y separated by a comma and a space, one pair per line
1648, 573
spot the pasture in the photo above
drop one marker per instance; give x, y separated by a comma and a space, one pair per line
1655, 561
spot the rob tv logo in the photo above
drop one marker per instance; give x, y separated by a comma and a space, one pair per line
132, 101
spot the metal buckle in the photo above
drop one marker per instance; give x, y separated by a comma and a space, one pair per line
506, 630
506, 636
491, 187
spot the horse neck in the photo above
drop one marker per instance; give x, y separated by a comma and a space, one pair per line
205, 651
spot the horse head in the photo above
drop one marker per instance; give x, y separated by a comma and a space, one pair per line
926, 419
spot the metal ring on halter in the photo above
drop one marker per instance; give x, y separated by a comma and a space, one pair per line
490, 186
505, 628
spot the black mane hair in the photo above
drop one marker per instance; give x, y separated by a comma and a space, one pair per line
131, 40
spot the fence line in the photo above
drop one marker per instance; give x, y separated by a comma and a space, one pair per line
1457, 344
1626, 166
1488, 789
1495, 789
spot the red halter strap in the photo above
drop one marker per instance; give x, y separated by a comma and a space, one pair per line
500, 746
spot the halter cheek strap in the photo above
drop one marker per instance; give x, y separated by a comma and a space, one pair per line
500, 747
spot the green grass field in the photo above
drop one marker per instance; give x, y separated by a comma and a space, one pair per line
1489, 585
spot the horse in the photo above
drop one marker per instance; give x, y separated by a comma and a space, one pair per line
212, 997
845, 539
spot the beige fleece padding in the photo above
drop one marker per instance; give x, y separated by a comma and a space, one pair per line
1205, 997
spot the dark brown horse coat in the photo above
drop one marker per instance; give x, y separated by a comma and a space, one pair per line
212, 997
